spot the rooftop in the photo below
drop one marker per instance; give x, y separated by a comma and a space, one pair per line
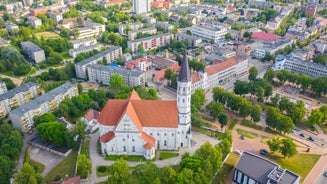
30, 46
151, 37
22, 88
265, 36
42, 99
117, 70
97, 56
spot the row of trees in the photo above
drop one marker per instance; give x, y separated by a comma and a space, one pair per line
11, 142
12, 61
318, 116
237, 104
198, 168
285, 146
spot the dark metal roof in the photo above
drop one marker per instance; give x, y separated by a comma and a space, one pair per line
184, 73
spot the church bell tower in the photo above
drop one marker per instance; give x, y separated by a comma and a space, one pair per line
184, 92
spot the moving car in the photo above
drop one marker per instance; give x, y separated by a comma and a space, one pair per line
302, 135
311, 139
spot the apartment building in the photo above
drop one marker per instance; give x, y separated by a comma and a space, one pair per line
151, 42
132, 27
38, 11
74, 52
192, 40
132, 34
261, 49
33, 52
101, 74
165, 25
34, 21
207, 32
11, 27
141, 6
302, 67
90, 29
109, 55
17, 97
22, 117
84, 42
3, 87
55, 16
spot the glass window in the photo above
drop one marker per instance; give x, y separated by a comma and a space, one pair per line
124, 148
235, 175
165, 143
239, 177
251, 181
133, 148
245, 179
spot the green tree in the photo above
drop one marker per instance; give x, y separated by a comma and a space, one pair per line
116, 82
54, 132
167, 175
282, 75
228, 36
47, 117
319, 86
245, 108
223, 119
260, 93
256, 113
146, 173
80, 88
79, 130
268, 90
305, 81
274, 144
321, 59
27, 175
316, 117
214, 108
197, 100
288, 147
253, 73
225, 146
140, 48
241, 87
6, 167
275, 99
297, 111
9, 83
323, 109
119, 172
84, 166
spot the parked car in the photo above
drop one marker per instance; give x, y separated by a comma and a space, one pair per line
263, 152
325, 174
302, 135
238, 152
311, 139
242, 137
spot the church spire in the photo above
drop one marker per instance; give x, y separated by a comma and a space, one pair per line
184, 73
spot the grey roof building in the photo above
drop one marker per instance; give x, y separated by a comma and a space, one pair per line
252, 168
11, 27
82, 49
3, 87
22, 117
33, 52
101, 74
110, 55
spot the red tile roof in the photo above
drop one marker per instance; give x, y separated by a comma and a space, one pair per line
149, 113
160, 75
265, 36
221, 66
107, 137
73, 180
150, 141
91, 114
195, 77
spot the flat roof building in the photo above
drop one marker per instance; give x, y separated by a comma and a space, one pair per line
33, 52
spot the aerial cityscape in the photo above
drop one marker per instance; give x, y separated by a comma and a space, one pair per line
163, 91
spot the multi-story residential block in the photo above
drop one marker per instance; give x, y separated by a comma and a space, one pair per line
14, 7
190, 40
17, 97
27, 2
151, 42
107, 3
141, 6
74, 52
22, 117
102, 74
38, 11
252, 168
132, 34
33, 52
141, 64
217, 33
34, 21
297, 65
90, 29
109, 55
274, 23
261, 49
3, 87
131, 27
165, 25
55, 16
84, 42
261, 4
11, 27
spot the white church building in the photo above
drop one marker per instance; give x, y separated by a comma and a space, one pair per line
138, 127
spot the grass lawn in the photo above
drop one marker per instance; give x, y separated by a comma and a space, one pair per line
104, 170
250, 124
232, 124
46, 35
85, 147
301, 164
264, 139
166, 155
126, 157
226, 169
208, 118
246, 134
67, 166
